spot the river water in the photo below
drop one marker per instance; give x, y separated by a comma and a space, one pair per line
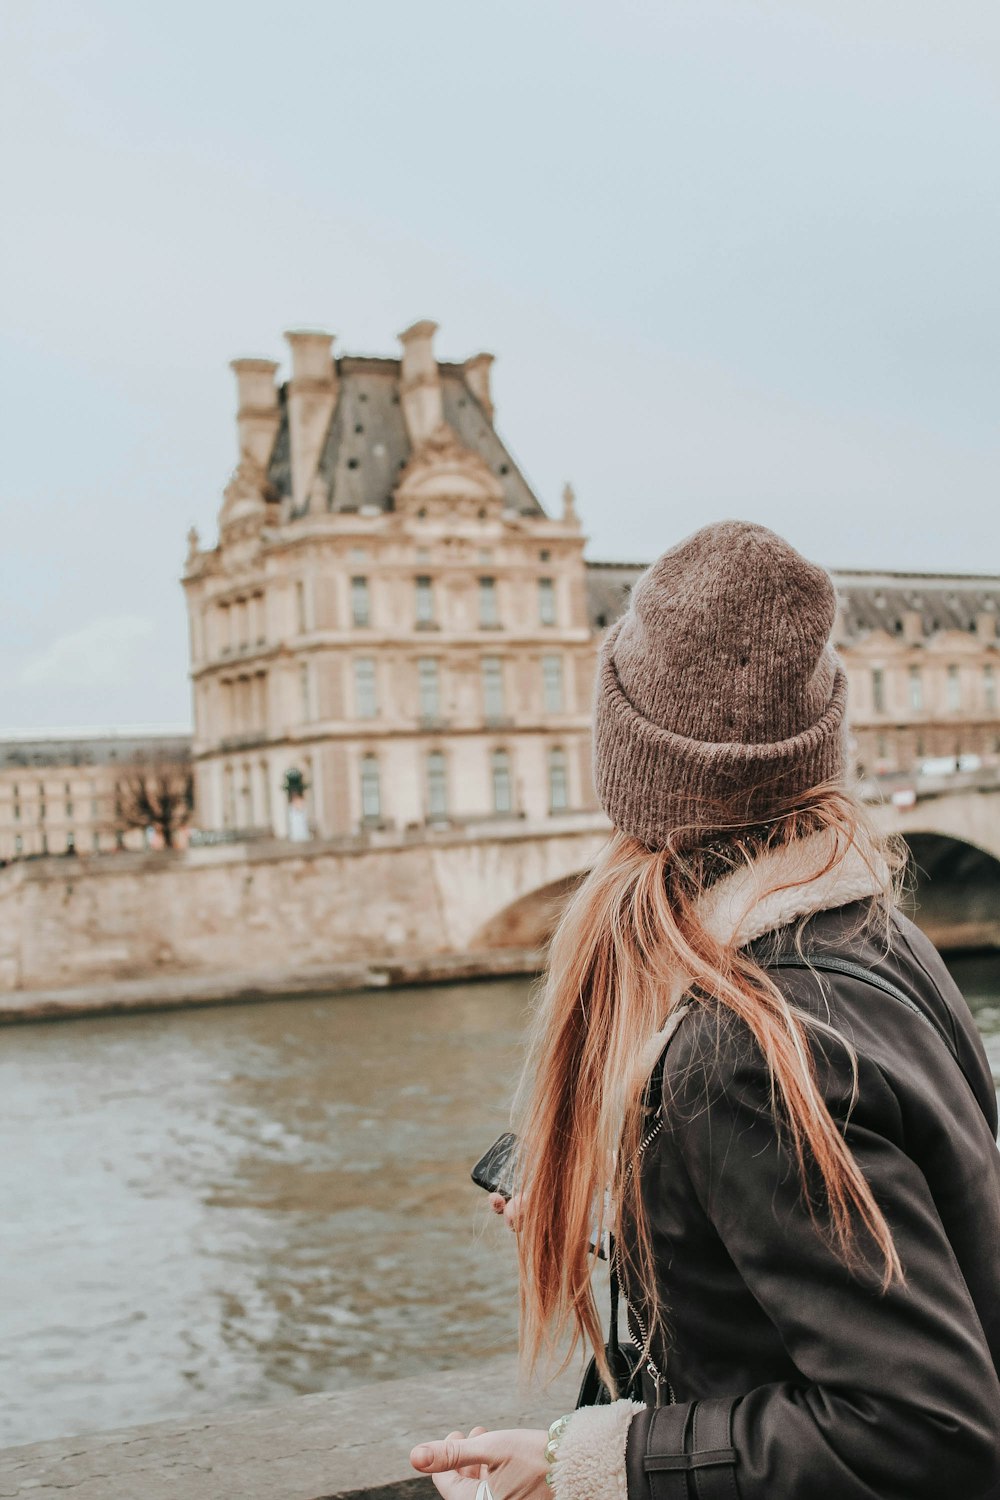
226, 1207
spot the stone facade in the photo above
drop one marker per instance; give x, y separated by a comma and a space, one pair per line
923, 666
389, 613
63, 793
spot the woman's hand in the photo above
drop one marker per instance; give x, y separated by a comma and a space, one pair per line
512, 1461
510, 1208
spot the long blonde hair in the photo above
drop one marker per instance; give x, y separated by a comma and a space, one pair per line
632, 927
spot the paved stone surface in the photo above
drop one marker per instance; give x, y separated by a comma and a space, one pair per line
317, 1447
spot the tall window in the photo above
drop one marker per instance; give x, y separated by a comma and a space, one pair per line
265, 782
488, 615
503, 802
360, 610
492, 668
954, 689
552, 684
878, 690
546, 601
989, 689
558, 780
300, 607
429, 686
425, 601
916, 689
365, 699
305, 691
437, 785
371, 792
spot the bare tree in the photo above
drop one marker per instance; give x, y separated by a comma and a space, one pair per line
155, 794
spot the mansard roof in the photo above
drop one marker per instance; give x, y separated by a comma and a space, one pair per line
367, 446
871, 600
944, 601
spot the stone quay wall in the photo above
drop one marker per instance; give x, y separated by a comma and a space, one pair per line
276, 910
355, 1443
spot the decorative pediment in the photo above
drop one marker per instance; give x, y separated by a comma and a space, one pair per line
443, 477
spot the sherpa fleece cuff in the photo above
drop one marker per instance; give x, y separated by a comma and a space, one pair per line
590, 1464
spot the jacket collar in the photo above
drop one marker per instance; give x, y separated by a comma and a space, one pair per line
778, 888
786, 884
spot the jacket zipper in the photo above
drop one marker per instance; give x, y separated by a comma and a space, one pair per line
660, 1382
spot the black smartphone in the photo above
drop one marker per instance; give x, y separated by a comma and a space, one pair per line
494, 1169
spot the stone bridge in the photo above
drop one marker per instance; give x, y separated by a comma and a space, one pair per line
237, 920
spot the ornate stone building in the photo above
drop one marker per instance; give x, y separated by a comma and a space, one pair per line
391, 621
389, 616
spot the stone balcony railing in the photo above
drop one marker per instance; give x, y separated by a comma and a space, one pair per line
354, 1443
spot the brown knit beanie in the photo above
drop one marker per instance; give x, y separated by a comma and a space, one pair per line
719, 696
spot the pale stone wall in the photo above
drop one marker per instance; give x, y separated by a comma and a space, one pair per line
263, 908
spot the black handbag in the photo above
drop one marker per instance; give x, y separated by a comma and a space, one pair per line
625, 1361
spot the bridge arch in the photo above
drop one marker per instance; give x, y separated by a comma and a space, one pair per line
530, 920
954, 892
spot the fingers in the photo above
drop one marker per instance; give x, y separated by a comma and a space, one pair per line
473, 1471
510, 1208
452, 1453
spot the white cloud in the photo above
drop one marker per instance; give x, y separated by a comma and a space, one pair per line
101, 653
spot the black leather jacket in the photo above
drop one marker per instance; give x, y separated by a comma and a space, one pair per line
791, 1379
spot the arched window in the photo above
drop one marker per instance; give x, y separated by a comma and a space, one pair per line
371, 792
437, 785
503, 802
558, 780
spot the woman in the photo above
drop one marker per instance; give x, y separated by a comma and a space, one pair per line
775, 1074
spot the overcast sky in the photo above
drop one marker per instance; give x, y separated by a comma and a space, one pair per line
733, 258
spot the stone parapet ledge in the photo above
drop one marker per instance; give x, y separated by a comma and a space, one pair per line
179, 991
354, 1443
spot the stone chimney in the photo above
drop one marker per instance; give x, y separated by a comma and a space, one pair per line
420, 385
312, 394
257, 412
477, 378
986, 624
913, 627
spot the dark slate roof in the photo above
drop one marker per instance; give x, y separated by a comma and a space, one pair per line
367, 445
62, 749
878, 601
871, 600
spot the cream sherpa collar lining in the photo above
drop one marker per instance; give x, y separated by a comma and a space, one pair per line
784, 885
776, 889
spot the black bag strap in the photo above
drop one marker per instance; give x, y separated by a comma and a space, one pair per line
830, 964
